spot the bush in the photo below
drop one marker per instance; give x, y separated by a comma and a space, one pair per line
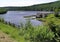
38, 33
54, 24
3, 10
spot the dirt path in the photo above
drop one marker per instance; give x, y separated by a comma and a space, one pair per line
5, 38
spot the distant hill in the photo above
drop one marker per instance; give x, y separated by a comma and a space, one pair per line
40, 7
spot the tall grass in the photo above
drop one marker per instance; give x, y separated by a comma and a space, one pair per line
28, 33
36, 33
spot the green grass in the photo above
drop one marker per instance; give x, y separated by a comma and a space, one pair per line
13, 32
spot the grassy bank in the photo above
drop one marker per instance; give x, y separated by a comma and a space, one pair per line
5, 38
11, 31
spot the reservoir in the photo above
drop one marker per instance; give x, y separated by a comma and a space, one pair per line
17, 17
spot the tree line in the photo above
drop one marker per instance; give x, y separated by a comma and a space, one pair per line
39, 7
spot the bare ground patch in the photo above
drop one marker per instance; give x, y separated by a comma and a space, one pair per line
5, 38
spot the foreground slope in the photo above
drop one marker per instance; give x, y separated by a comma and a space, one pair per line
13, 32
5, 38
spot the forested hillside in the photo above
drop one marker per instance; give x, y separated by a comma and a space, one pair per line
40, 7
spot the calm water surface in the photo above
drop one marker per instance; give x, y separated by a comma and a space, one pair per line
17, 17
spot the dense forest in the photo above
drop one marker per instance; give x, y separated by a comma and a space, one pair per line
40, 7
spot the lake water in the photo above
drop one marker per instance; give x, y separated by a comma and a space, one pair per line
17, 17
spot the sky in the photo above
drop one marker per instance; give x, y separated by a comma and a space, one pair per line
22, 2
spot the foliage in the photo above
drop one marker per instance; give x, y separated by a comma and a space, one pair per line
56, 10
54, 24
3, 10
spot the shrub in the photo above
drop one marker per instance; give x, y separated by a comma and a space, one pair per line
38, 33
3, 10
